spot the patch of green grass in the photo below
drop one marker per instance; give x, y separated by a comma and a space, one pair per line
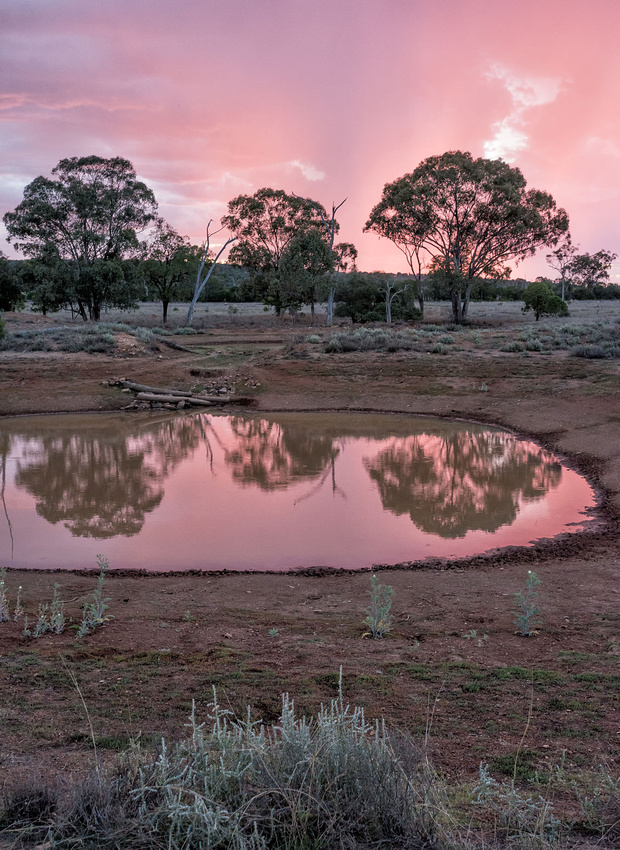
525, 765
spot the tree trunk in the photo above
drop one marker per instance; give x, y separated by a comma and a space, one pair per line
164, 304
330, 306
457, 307
466, 301
420, 294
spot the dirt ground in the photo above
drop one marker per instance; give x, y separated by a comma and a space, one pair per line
453, 670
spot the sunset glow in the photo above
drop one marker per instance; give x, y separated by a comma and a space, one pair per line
325, 99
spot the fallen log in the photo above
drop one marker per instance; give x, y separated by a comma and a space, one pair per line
174, 399
142, 388
172, 344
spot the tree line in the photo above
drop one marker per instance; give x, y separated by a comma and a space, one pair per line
92, 239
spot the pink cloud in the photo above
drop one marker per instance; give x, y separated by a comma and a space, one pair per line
210, 100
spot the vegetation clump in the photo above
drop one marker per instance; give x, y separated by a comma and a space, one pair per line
369, 339
331, 781
378, 614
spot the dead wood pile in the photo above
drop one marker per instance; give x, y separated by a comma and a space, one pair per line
148, 398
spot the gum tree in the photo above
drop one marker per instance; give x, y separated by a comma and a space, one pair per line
560, 261
90, 212
263, 225
540, 298
168, 262
471, 216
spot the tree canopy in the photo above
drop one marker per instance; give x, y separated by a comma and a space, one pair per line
11, 294
471, 216
580, 275
264, 224
90, 213
540, 298
169, 261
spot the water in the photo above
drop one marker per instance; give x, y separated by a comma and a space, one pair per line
272, 492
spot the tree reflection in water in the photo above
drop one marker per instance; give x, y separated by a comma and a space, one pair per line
273, 455
466, 481
101, 478
103, 486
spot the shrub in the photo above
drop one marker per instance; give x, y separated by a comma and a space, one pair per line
368, 339
91, 338
533, 345
592, 352
322, 783
512, 347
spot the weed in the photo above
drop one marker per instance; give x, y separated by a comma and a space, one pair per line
43, 624
273, 633
18, 611
57, 614
530, 820
527, 610
5, 614
472, 634
378, 617
187, 617
93, 614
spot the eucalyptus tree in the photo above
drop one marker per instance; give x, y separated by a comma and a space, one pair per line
344, 254
263, 225
90, 212
589, 271
169, 261
560, 260
11, 293
306, 263
472, 216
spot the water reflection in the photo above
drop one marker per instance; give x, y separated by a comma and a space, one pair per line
272, 492
452, 484
103, 486
270, 454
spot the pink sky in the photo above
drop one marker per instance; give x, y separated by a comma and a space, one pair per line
326, 98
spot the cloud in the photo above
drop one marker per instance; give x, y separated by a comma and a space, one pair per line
308, 171
526, 92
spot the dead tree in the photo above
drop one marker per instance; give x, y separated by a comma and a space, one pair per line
201, 281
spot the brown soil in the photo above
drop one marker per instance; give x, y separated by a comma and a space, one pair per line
172, 639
